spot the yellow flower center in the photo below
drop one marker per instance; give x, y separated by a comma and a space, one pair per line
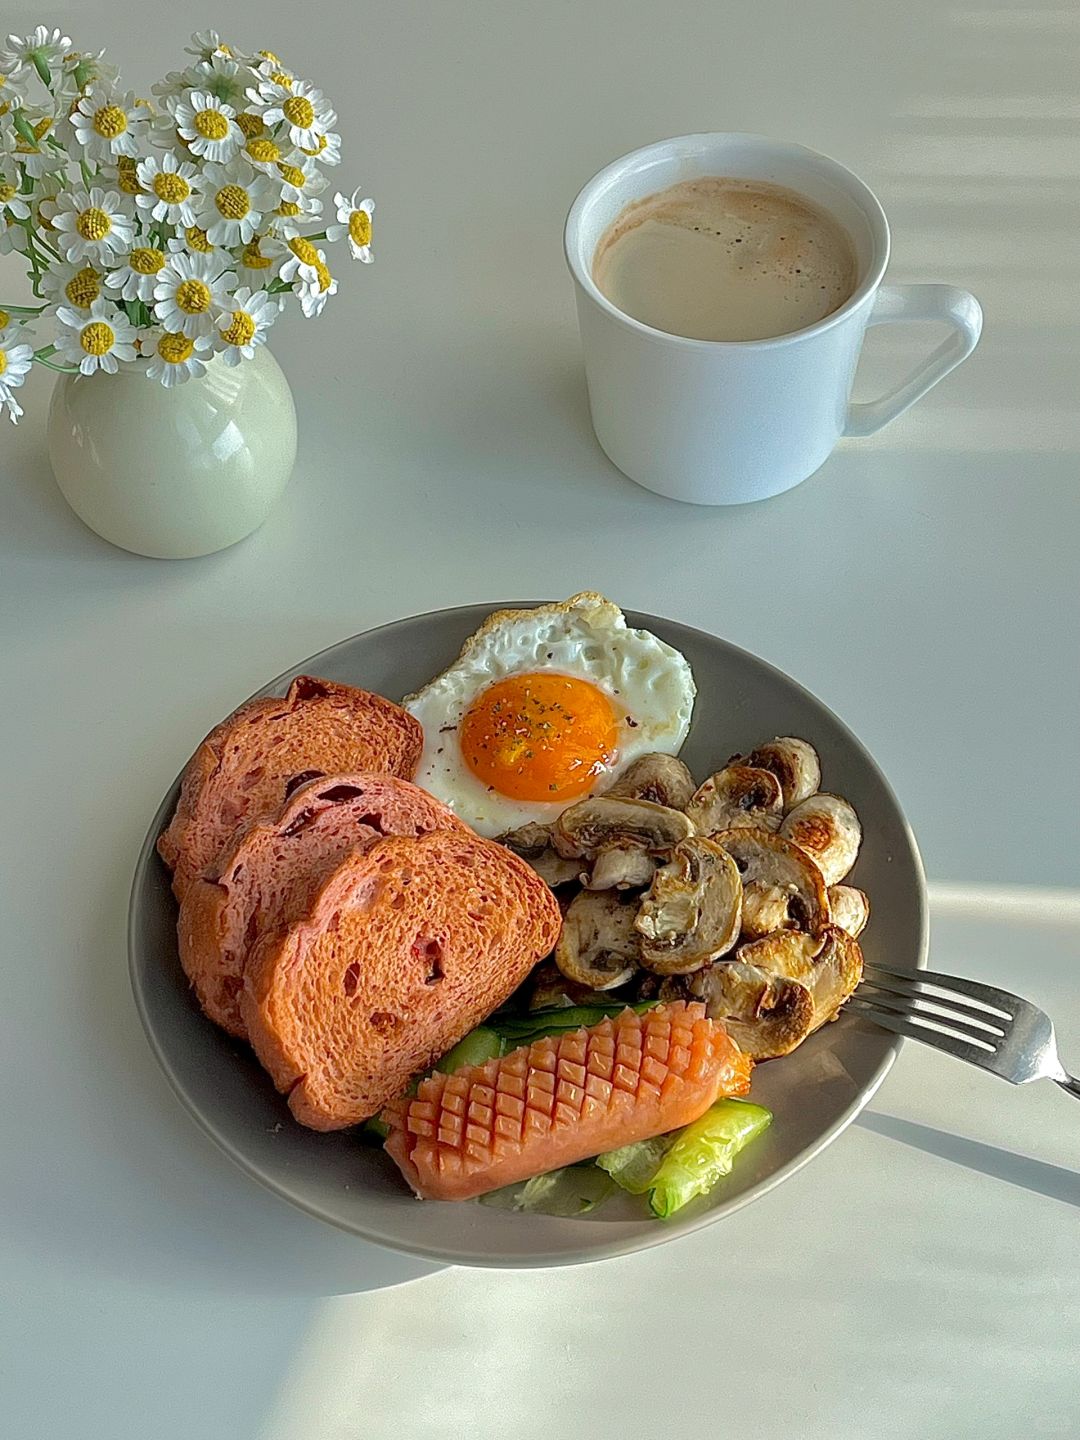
304, 251
282, 78
5, 321
83, 288
3, 362
250, 124
197, 241
174, 348
268, 55
211, 124
171, 188
232, 202
193, 297
320, 146
146, 260
110, 122
93, 224
126, 177
224, 49
253, 257
242, 329
97, 338
42, 128
293, 175
299, 111
7, 192
325, 278
360, 227
262, 149
288, 208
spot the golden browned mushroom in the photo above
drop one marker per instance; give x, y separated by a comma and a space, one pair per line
533, 843
692, 910
663, 779
849, 908
602, 821
737, 796
829, 964
782, 886
827, 828
794, 762
766, 1015
599, 946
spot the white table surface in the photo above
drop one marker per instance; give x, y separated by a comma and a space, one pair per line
920, 1279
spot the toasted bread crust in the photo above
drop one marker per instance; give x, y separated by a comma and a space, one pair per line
241, 771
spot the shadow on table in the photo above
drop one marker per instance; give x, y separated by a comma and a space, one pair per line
122, 1180
1040, 1178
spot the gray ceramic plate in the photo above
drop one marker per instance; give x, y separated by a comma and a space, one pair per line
813, 1094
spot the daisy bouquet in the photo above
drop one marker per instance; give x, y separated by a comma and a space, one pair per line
162, 231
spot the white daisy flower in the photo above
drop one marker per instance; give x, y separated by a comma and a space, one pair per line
42, 52
190, 291
12, 204
175, 357
12, 236
76, 286
269, 71
79, 72
208, 125
169, 188
98, 340
313, 294
305, 111
239, 332
328, 149
300, 265
262, 150
205, 44
136, 277
175, 84
354, 220
222, 77
292, 216
259, 260
234, 200
300, 182
38, 158
16, 358
12, 94
107, 124
93, 225
194, 241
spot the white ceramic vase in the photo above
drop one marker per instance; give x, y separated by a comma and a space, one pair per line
179, 472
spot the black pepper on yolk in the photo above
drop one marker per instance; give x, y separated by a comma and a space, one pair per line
540, 737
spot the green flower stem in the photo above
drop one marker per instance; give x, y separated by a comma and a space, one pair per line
24, 128
277, 287
45, 245
23, 309
42, 69
51, 365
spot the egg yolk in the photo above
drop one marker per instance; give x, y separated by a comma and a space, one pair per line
540, 737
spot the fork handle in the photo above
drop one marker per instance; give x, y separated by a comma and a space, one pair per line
1069, 1084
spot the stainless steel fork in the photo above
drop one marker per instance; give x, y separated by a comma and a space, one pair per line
978, 1023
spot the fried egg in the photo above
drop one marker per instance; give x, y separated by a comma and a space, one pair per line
545, 706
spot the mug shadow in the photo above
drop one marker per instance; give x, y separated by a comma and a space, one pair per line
1053, 1181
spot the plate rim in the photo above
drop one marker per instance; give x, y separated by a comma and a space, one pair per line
606, 1250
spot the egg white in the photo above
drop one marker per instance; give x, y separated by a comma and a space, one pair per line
649, 682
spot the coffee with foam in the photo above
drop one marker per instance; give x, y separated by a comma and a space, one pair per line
726, 259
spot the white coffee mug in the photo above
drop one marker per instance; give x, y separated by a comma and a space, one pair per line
724, 422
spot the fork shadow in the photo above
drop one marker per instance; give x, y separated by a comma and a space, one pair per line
1037, 1176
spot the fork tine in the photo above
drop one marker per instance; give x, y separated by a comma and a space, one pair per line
955, 1009
988, 995
903, 1025
944, 1019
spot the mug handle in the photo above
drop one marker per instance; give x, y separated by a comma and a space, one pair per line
897, 304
